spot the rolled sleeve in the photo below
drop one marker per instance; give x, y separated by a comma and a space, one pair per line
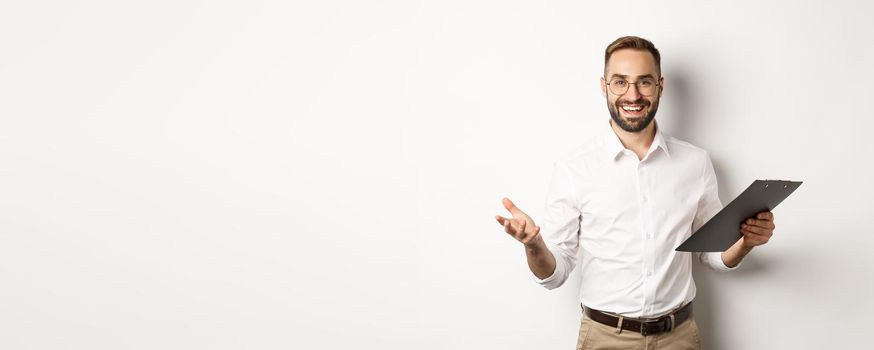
561, 226
555, 280
708, 206
714, 261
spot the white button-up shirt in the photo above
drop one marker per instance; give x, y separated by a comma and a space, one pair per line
627, 216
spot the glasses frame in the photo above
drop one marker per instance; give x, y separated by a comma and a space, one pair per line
608, 83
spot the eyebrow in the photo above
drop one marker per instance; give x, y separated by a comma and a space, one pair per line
623, 76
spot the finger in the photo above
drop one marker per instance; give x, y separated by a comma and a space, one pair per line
516, 226
504, 222
511, 206
512, 229
530, 238
765, 215
760, 223
747, 232
522, 228
752, 242
500, 219
755, 238
757, 229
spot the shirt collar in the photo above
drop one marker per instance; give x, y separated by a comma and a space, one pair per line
613, 146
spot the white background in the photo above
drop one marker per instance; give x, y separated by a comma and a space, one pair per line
324, 175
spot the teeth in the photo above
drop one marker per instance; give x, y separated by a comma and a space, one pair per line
629, 108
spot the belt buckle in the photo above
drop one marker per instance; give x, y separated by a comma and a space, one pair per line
643, 325
664, 320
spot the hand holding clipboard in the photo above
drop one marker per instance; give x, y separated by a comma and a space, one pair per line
721, 231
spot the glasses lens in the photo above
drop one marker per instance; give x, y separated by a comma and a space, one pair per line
618, 86
646, 87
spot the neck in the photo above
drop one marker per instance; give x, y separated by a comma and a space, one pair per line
638, 142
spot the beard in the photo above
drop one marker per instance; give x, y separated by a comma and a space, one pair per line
637, 124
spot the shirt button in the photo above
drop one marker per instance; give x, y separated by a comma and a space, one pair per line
644, 199
648, 236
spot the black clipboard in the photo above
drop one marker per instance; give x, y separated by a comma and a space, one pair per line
723, 230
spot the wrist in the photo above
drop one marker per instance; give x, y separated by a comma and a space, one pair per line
734, 255
745, 249
536, 247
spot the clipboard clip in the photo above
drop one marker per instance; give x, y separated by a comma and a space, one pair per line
785, 186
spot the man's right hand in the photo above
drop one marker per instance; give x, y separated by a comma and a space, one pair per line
521, 227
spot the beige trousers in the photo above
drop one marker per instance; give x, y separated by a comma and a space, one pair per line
597, 336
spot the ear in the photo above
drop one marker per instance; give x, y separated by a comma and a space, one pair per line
604, 88
661, 86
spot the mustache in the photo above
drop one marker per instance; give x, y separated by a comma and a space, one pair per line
639, 101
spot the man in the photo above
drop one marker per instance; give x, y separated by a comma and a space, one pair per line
628, 198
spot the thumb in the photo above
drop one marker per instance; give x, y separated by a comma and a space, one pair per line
511, 207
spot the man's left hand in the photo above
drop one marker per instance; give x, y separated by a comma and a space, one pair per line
757, 231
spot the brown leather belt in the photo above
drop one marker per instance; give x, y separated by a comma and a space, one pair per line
643, 326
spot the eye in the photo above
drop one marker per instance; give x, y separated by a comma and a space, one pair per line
620, 83
646, 83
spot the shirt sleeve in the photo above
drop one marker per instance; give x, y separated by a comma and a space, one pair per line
561, 226
708, 206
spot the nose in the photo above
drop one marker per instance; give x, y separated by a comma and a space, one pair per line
632, 92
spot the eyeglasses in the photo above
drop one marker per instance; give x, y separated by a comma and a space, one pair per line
645, 87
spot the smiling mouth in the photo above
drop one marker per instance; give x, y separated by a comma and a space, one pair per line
633, 110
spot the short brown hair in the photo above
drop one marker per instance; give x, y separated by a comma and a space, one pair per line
634, 43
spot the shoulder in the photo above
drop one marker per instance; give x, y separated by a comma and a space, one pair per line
581, 154
686, 150
694, 158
